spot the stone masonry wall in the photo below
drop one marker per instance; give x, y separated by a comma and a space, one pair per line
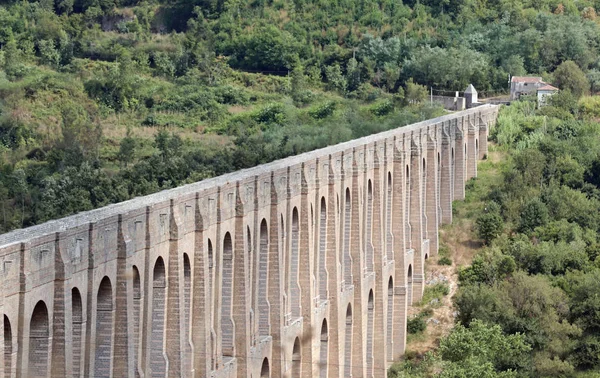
303, 267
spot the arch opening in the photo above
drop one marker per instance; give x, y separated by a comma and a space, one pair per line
157, 361
104, 329
347, 260
370, 330
77, 328
408, 241
348, 343
295, 266
39, 341
390, 320
409, 285
7, 347
227, 285
323, 350
263, 269
137, 302
369, 229
296, 359
264, 370
187, 303
388, 217
321, 273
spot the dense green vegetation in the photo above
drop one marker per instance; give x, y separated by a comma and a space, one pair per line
103, 100
534, 287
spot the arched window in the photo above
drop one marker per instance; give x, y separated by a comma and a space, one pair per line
295, 268
104, 329
157, 361
323, 350
347, 262
39, 341
77, 328
263, 283
227, 330
439, 187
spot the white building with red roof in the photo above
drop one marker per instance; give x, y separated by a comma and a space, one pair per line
544, 92
523, 85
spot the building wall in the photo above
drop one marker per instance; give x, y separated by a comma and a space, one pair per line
302, 267
450, 103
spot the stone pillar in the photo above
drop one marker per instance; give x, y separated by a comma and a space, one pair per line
483, 138
472, 154
58, 348
416, 218
240, 290
91, 290
380, 296
275, 290
398, 228
120, 338
334, 280
201, 306
446, 188
357, 250
459, 163
173, 313
305, 273
431, 207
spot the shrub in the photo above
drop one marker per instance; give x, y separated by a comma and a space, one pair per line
445, 260
416, 325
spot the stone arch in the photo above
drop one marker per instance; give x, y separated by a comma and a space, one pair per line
323, 350
347, 261
104, 329
263, 280
187, 306
409, 281
370, 330
476, 148
77, 330
369, 229
227, 285
211, 270
348, 343
8, 344
137, 302
390, 320
388, 218
159, 283
426, 256
295, 265
265, 370
296, 359
39, 341
321, 273
285, 263
408, 241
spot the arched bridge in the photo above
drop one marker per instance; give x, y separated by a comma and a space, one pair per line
303, 267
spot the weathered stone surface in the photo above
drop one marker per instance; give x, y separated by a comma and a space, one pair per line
299, 268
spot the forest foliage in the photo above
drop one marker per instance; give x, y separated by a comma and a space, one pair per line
104, 100
534, 284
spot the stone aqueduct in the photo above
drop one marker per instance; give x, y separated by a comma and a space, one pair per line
303, 267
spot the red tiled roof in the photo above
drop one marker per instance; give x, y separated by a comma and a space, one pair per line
526, 79
548, 87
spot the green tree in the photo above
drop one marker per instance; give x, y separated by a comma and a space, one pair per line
489, 223
568, 76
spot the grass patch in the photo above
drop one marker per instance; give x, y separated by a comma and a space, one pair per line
437, 291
